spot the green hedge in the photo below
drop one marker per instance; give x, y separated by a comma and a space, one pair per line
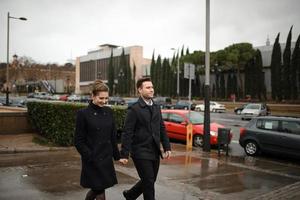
56, 121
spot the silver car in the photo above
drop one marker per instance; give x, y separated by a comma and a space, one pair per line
254, 110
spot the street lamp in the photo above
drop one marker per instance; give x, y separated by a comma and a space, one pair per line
7, 61
177, 91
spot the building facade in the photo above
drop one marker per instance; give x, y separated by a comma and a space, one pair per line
95, 65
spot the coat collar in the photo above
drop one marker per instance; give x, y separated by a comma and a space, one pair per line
94, 107
143, 103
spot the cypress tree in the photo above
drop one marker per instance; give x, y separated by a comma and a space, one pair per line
296, 69
259, 75
111, 74
182, 51
164, 76
122, 74
234, 84
128, 76
152, 67
187, 51
134, 80
222, 85
275, 70
246, 78
157, 83
213, 95
229, 85
286, 70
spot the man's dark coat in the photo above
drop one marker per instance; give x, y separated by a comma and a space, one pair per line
144, 131
95, 140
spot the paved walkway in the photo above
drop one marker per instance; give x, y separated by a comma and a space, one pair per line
21, 143
189, 175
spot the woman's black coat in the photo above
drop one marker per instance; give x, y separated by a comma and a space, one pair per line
95, 140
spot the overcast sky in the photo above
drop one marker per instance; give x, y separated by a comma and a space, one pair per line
58, 30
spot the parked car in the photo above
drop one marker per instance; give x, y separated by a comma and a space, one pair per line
271, 134
116, 101
85, 98
55, 97
131, 101
63, 97
176, 121
254, 110
238, 110
74, 97
183, 105
164, 102
213, 107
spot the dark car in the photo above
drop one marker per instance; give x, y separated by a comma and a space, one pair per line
85, 98
116, 101
271, 134
164, 102
131, 101
184, 105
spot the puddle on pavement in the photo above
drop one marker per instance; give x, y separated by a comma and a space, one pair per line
219, 176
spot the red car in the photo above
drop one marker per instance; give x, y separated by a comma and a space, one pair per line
176, 121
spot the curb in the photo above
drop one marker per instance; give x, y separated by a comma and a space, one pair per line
33, 149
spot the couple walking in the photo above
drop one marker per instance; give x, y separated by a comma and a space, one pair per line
95, 140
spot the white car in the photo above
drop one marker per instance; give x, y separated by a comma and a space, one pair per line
213, 107
74, 97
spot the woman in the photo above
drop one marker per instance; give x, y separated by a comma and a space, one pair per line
95, 140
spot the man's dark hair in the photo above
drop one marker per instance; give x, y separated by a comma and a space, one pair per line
140, 81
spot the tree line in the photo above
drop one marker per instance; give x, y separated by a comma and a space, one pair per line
285, 70
237, 69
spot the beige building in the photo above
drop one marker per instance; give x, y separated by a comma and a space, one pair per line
96, 63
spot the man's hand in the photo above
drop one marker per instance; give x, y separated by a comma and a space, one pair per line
123, 161
167, 154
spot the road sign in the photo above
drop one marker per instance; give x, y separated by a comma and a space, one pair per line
189, 70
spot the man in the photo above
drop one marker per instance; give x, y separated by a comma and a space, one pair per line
144, 131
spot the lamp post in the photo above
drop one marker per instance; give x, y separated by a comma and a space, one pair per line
206, 145
7, 61
178, 84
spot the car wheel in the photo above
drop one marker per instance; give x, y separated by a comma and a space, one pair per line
198, 141
238, 112
251, 148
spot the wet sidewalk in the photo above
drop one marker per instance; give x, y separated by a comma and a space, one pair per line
188, 175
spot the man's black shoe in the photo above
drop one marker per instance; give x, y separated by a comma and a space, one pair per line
125, 194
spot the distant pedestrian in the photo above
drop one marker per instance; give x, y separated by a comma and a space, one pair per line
95, 140
144, 131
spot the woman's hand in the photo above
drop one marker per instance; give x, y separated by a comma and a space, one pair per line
167, 154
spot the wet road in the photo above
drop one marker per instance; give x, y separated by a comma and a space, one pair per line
187, 176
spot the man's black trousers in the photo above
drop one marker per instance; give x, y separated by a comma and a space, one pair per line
147, 170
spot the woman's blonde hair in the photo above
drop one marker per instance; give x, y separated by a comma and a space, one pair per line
99, 86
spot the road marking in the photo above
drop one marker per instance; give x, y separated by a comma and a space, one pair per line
235, 141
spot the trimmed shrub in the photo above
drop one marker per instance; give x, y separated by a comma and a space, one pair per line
56, 121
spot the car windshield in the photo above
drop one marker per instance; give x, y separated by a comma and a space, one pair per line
252, 106
195, 117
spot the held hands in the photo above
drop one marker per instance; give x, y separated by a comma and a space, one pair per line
167, 154
123, 161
